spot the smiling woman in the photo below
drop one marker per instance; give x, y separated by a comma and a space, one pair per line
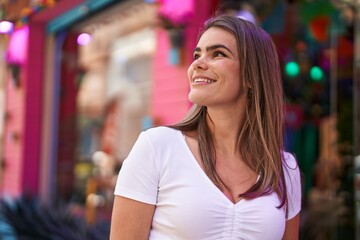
214, 55
222, 172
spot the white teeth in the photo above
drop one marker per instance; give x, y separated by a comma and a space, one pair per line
203, 80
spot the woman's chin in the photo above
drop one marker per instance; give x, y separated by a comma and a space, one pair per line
197, 100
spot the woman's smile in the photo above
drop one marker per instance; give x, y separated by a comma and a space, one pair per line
203, 81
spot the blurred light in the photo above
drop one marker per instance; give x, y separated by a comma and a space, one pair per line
98, 157
292, 69
18, 46
95, 200
316, 73
6, 27
83, 39
246, 15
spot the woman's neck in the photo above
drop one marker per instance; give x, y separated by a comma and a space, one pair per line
225, 127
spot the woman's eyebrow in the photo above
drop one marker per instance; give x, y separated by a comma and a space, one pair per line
213, 47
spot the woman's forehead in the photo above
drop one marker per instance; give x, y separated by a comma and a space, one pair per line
217, 35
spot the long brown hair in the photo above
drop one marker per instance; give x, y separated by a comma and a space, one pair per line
261, 138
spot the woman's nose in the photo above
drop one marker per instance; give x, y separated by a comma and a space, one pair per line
200, 63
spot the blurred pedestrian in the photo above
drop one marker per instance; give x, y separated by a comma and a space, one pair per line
222, 172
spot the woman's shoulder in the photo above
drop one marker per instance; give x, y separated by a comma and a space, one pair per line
160, 130
289, 160
161, 134
293, 184
291, 167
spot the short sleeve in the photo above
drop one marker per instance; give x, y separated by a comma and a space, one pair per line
293, 185
138, 177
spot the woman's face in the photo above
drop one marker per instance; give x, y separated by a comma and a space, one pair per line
214, 74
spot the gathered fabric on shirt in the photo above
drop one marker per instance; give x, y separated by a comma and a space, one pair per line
161, 170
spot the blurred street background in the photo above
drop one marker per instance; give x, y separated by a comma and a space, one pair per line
79, 80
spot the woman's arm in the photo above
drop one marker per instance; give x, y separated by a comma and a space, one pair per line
292, 228
131, 220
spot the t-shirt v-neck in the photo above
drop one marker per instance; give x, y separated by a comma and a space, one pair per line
202, 172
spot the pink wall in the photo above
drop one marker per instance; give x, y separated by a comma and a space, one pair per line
33, 108
170, 83
13, 153
24, 105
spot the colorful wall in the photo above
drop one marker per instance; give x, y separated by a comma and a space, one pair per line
170, 87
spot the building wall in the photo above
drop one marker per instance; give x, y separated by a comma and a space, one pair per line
170, 82
67, 129
23, 109
13, 146
33, 100
22, 141
170, 85
3, 78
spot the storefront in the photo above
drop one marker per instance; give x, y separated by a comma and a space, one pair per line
114, 96
26, 160
21, 135
81, 103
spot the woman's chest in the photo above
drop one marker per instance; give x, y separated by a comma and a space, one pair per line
190, 206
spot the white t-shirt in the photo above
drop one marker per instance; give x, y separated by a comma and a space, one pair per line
161, 170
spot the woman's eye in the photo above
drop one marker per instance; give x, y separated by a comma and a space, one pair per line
219, 54
196, 56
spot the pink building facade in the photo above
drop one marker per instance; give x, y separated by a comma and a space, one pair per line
24, 109
27, 137
171, 86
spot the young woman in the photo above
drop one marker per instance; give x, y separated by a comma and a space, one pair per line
221, 173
